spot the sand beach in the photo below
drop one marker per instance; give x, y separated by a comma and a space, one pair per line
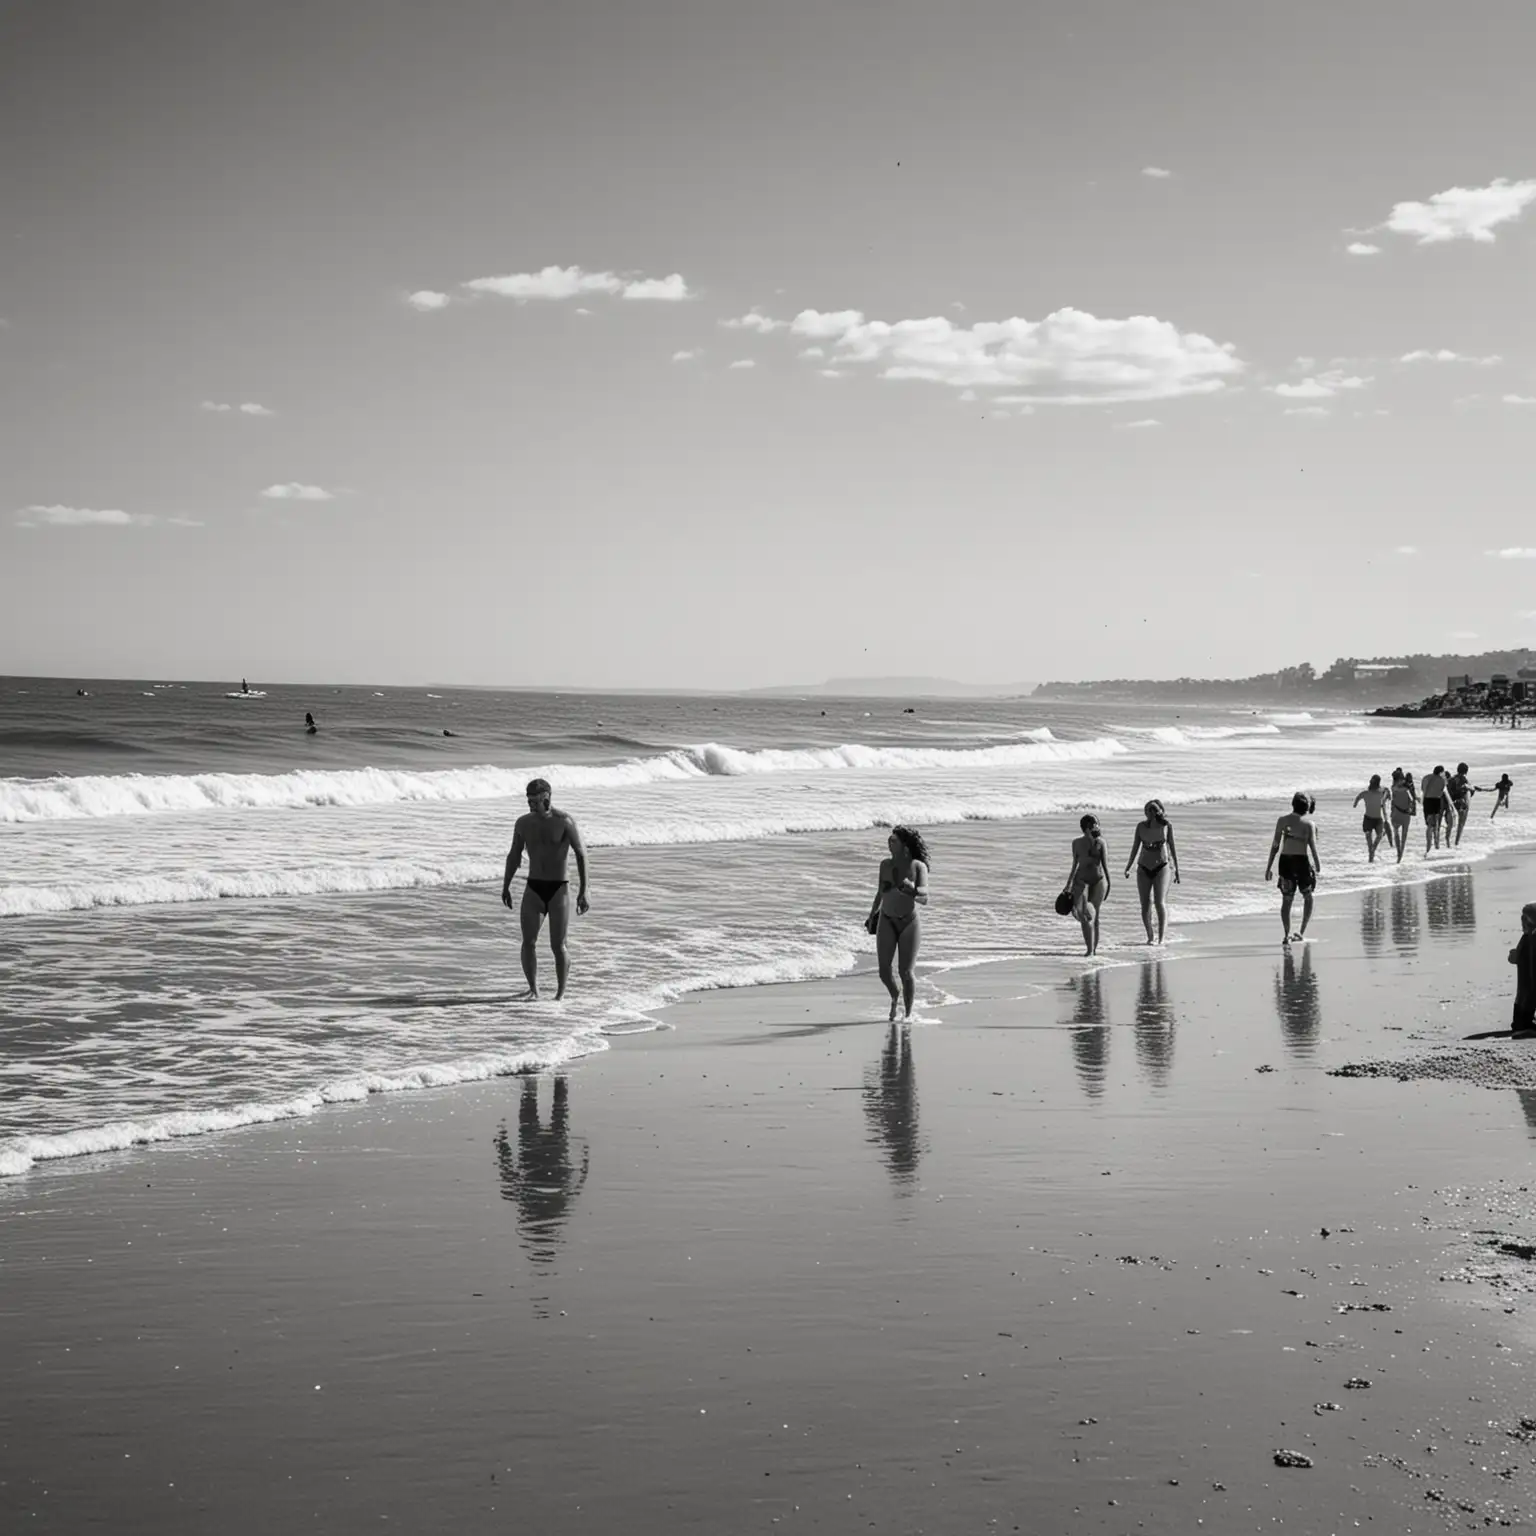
1062, 1255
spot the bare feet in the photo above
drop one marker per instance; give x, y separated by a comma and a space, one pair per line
893, 1011
530, 996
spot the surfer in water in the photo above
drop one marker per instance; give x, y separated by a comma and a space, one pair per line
1295, 841
902, 889
549, 837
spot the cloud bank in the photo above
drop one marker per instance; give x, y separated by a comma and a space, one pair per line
571, 282
1321, 386
1068, 358
1445, 355
94, 517
246, 408
292, 490
1463, 213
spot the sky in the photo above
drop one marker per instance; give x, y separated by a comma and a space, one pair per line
698, 343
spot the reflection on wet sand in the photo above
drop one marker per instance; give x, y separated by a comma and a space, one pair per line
1449, 907
1090, 1044
1296, 1001
1528, 1105
1405, 918
1373, 921
537, 1175
890, 1103
1154, 1025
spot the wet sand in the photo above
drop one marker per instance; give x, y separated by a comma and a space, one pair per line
1061, 1256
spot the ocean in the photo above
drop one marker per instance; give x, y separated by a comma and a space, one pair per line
209, 918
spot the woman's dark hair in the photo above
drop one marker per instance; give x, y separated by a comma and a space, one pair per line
1089, 823
1154, 809
1375, 781
1303, 804
915, 845
1461, 767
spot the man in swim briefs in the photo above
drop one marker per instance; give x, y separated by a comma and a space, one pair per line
1300, 863
548, 835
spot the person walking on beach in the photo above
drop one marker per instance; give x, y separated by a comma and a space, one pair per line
1461, 791
1375, 823
1502, 788
1088, 880
1295, 841
1405, 804
1155, 857
549, 836
1436, 794
901, 889
1523, 958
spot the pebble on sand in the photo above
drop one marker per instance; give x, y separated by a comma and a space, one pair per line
1292, 1459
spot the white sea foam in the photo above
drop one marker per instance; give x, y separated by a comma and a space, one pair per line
1193, 735
17, 1156
56, 799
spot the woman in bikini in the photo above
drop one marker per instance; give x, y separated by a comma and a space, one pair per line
1089, 880
1295, 842
1375, 823
1405, 804
902, 889
1155, 857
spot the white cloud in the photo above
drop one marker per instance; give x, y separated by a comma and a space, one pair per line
246, 408
1156, 172
1068, 358
1362, 248
1518, 399
1321, 386
1406, 549
1513, 553
1463, 634
1305, 410
1463, 213
427, 299
753, 320
215, 405
570, 282
830, 373
687, 355
292, 490
809, 352
1445, 355
91, 517
744, 362
1146, 421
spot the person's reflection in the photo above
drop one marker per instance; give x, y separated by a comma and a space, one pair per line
1373, 921
1437, 908
1301, 1016
1090, 1043
1463, 904
1154, 1025
1405, 918
537, 1175
1528, 1107
890, 1103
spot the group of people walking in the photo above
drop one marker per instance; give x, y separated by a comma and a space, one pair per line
902, 887
1445, 798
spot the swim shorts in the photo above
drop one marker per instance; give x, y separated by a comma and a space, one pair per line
1371, 824
1432, 807
1297, 869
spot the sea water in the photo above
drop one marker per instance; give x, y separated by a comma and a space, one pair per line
210, 918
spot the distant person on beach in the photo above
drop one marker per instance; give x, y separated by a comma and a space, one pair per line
1436, 791
1502, 789
1295, 842
309, 724
1523, 958
1405, 805
549, 836
1375, 823
901, 889
1461, 790
1088, 880
1156, 860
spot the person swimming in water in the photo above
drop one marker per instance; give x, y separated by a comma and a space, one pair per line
1436, 796
902, 887
309, 724
1088, 880
1374, 824
1405, 805
1156, 859
549, 836
1295, 842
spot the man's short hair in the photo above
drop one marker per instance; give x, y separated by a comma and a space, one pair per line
538, 787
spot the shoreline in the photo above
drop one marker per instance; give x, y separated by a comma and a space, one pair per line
1071, 1254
